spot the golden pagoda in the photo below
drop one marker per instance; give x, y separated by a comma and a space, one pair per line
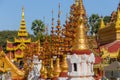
57, 68
77, 27
15, 49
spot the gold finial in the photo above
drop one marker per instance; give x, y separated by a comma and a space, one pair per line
81, 3
102, 24
118, 16
52, 19
42, 68
77, 2
82, 9
59, 13
80, 42
22, 31
57, 68
43, 71
22, 13
51, 63
52, 31
51, 68
64, 64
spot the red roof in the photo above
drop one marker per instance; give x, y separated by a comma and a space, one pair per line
112, 47
55, 78
18, 51
10, 45
63, 74
79, 52
98, 60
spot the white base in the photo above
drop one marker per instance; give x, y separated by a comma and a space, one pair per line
88, 78
63, 78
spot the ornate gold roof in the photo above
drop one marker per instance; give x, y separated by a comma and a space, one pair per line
111, 31
22, 32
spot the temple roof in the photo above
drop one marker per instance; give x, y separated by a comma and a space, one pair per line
111, 31
98, 59
112, 47
22, 31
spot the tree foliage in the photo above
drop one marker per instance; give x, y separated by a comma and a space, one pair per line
106, 19
6, 35
38, 28
94, 22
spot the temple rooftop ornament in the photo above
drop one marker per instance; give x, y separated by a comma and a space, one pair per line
22, 31
102, 24
80, 43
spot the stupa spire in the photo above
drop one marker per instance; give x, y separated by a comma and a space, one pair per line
118, 15
80, 42
77, 2
82, 9
22, 32
23, 13
59, 13
102, 24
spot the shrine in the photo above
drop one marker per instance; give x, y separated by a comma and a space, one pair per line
67, 53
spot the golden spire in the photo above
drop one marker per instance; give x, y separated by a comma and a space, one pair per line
80, 41
52, 35
102, 24
82, 9
22, 32
57, 68
118, 16
64, 64
58, 31
23, 13
58, 22
77, 2
42, 68
52, 31
51, 63
43, 71
51, 68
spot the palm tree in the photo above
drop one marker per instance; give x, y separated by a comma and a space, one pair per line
38, 28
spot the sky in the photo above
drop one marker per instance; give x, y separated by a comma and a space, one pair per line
10, 11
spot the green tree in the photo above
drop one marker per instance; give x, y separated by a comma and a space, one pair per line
94, 23
38, 28
6, 35
107, 19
